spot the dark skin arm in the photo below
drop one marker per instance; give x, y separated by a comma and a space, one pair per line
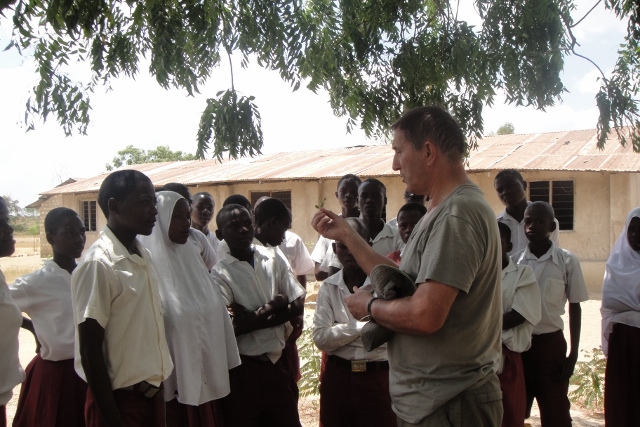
511, 320
91, 337
27, 324
320, 275
575, 324
302, 279
274, 313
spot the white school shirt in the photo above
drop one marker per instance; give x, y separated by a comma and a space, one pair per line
207, 252
213, 240
518, 238
520, 292
120, 291
11, 373
253, 287
559, 277
335, 330
45, 296
296, 253
387, 241
323, 254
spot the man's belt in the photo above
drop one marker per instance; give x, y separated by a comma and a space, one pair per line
358, 365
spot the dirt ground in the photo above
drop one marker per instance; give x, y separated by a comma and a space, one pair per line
25, 260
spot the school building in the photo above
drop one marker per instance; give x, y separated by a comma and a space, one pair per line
591, 190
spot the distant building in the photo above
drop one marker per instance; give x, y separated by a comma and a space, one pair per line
591, 190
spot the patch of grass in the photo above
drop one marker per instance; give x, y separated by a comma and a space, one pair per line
11, 273
310, 359
588, 380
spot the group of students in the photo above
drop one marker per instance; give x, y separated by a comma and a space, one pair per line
168, 322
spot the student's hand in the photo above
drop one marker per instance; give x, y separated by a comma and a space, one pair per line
330, 225
357, 302
568, 367
279, 303
236, 309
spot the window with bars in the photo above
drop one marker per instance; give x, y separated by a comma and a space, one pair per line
560, 195
88, 210
283, 196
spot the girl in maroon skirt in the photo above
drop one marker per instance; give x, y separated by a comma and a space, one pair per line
52, 394
11, 373
621, 327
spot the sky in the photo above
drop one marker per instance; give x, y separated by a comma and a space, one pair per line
141, 113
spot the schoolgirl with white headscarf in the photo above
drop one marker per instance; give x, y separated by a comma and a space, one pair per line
199, 331
621, 329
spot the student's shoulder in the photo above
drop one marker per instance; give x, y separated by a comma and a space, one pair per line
566, 256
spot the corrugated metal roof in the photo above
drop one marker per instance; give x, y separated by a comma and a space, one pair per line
567, 151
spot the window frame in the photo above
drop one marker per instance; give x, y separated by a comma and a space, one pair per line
93, 215
550, 193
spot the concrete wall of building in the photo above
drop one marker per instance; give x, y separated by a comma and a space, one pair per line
602, 201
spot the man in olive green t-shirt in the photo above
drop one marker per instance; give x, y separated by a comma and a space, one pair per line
444, 355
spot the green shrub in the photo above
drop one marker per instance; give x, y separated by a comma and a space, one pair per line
588, 379
310, 360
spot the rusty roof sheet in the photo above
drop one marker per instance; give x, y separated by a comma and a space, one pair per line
567, 151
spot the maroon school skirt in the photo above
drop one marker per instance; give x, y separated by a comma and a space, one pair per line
622, 378
136, 409
51, 395
206, 415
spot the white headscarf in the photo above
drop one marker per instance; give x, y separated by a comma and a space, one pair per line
198, 327
621, 287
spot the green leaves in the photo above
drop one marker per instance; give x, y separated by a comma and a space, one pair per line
375, 59
131, 155
232, 124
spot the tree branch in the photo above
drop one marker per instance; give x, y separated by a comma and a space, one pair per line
586, 14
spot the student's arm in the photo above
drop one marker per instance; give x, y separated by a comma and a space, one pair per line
319, 273
327, 334
575, 324
274, 313
511, 320
423, 313
335, 227
302, 279
27, 324
91, 337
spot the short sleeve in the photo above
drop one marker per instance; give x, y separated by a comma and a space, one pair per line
219, 279
454, 253
92, 290
576, 287
19, 295
319, 250
302, 263
526, 299
287, 282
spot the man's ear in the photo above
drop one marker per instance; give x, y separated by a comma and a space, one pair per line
430, 152
112, 204
219, 234
509, 247
524, 185
49, 237
336, 194
552, 227
385, 200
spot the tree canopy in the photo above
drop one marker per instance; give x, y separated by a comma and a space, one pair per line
506, 129
374, 58
131, 155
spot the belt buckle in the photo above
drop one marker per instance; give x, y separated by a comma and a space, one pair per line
358, 366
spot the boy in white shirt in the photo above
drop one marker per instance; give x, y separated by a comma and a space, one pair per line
355, 384
372, 198
263, 295
512, 191
521, 312
121, 348
325, 260
547, 367
201, 216
53, 394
